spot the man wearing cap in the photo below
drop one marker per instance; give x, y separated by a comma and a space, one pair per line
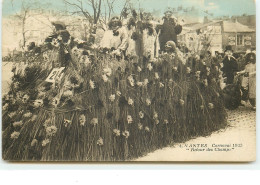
230, 66
168, 30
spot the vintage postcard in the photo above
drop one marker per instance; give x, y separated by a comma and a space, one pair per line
129, 80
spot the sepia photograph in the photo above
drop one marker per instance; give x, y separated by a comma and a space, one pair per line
128, 81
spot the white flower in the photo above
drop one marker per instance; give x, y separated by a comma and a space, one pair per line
34, 117
148, 102
18, 124
92, 84
12, 114
55, 42
155, 115
156, 75
100, 142
139, 69
5, 106
174, 68
55, 101
188, 70
140, 126
94, 121
202, 107
82, 119
157, 122
146, 82
112, 97
118, 93
34, 142
139, 84
131, 80
16, 85
27, 115
15, 135
25, 98
129, 119
38, 103
205, 82
147, 129
130, 101
141, 114
50, 131
181, 101
126, 134
105, 78
211, 105
45, 142
107, 71
67, 122
149, 66
116, 132
161, 85
68, 93
166, 121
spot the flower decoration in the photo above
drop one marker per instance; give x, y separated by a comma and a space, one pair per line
112, 97
126, 134
18, 124
82, 119
202, 107
149, 67
12, 114
156, 75
181, 101
140, 126
175, 68
94, 121
100, 141
130, 101
15, 135
116, 132
145, 83
45, 142
155, 115
34, 117
105, 78
139, 69
50, 131
205, 82
118, 93
141, 114
38, 103
68, 93
55, 42
148, 102
166, 121
34, 142
208, 71
197, 75
147, 129
188, 70
55, 101
92, 84
157, 121
67, 122
16, 85
47, 123
161, 85
139, 84
129, 119
211, 105
27, 115
5, 106
131, 80
107, 71
25, 98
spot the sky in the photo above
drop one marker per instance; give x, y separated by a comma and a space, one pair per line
217, 7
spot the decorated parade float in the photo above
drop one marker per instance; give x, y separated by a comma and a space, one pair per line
71, 101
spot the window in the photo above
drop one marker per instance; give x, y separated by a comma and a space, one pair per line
240, 40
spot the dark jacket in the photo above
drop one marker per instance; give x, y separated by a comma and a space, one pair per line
169, 31
230, 66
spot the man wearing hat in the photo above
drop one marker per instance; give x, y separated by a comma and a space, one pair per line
168, 30
60, 30
230, 66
